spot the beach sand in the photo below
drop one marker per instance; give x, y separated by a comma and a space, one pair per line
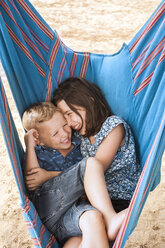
93, 26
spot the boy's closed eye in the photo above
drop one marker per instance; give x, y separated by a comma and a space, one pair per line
65, 125
55, 133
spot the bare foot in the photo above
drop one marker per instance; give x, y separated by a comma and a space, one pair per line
114, 224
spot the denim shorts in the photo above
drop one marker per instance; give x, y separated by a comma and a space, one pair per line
68, 225
54, 197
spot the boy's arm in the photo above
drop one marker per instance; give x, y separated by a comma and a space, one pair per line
31, 139
37, 176
34, 175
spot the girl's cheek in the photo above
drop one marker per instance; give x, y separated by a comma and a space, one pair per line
79, 120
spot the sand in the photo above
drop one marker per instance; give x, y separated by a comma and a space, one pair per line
94, 26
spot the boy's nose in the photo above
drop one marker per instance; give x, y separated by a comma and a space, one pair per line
64, 133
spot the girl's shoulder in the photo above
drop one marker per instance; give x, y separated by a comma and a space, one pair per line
112, 121
109, 124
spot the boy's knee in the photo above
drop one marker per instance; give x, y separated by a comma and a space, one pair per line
90, 218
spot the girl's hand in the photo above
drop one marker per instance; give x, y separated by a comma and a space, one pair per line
31, 138
37, 176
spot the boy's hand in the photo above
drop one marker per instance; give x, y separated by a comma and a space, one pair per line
37, 176
31, 138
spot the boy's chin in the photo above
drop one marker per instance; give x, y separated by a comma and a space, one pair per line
67, 146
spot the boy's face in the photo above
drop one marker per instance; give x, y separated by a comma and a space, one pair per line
55, 133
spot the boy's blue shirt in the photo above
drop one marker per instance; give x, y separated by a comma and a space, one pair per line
52, 160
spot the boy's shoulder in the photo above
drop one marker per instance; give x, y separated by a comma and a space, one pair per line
76, 140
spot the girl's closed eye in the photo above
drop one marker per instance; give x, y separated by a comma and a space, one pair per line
68, 114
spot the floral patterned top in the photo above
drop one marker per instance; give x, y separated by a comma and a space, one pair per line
124, 171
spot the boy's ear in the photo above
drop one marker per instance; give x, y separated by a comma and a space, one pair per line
37, 138
38, 142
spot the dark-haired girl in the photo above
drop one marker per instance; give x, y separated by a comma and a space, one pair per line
104, 136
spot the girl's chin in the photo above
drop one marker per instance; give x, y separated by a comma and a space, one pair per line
77, 127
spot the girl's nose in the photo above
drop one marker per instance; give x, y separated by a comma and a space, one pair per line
69, 121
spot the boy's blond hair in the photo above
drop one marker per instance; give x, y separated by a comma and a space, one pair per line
37, 113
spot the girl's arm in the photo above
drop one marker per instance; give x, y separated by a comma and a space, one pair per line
109, 146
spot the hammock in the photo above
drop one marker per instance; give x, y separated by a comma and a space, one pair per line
36, 61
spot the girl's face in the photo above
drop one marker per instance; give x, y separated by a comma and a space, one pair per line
72, 118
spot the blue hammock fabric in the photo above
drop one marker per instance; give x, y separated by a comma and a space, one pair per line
36, 61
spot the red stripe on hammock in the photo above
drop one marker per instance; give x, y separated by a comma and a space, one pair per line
37, 39
33, 223
84, 65
38, 241
51, 241
144, 84
37, 21
149, 78
26, 208
120, 236
25, 50
13, 157
51, 62
73, 64
62, 66
10, 143
150, 58
141, 56
155, 18
25, 37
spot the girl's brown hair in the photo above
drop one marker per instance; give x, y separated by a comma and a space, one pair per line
80, 92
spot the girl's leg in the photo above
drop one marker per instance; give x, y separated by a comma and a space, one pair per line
97, 193
73, 242
93, 230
